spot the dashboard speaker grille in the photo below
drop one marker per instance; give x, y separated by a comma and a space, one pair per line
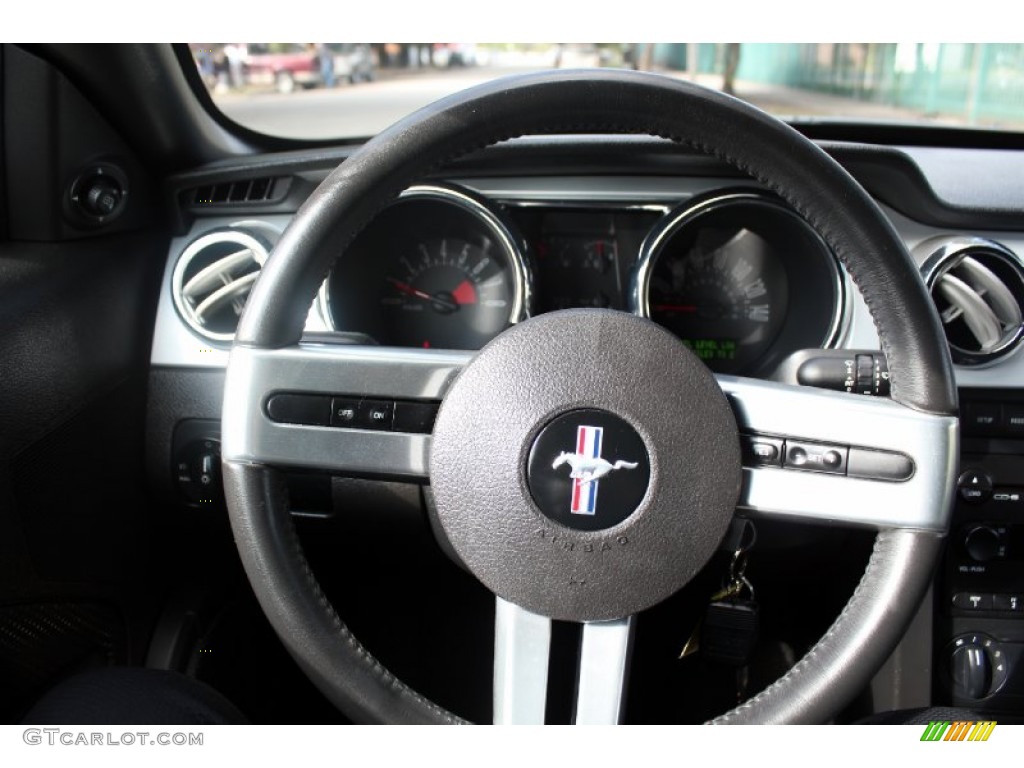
978, 288
212, 280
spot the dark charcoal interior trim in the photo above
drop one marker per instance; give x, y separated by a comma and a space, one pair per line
894, 176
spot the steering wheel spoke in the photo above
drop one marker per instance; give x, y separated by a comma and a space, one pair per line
842, 458
604, 668
522, 648
308, 429
522, 642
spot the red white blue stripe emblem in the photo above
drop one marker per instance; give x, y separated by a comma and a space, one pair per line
584, 493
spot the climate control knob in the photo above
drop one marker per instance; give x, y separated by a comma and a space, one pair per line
971, 670
977, 666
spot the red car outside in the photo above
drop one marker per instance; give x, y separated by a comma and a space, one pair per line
284, 65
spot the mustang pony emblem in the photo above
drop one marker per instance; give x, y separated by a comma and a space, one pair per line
587, 467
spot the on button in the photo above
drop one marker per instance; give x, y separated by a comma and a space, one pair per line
375, 414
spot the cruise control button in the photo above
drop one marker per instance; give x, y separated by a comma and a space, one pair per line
375, 414
344, 411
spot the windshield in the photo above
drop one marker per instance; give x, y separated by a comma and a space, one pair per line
353, 90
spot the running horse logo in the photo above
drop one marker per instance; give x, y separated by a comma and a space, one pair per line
587, 467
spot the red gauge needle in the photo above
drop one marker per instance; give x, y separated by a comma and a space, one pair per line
439, 301
408, 289
464, 293
675, 307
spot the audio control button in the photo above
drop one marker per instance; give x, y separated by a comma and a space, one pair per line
983, 543
975, 486
816, 457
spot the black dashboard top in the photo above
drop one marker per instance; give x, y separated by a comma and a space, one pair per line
954, 187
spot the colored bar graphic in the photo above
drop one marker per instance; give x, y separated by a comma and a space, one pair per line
958, 731
982, 730
935, 730
961, 730
584, 493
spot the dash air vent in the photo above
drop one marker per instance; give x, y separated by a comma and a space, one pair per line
978, 287
213, 277
260, 190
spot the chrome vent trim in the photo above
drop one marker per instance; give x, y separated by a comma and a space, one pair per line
978, 288
212, 279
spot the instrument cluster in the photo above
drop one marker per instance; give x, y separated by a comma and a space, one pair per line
736, 275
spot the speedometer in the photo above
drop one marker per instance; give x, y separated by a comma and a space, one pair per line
741, 280
725, 296
438, 268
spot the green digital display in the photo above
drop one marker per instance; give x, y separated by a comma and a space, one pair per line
712, 349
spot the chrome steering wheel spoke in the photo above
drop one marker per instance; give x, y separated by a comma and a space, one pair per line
874, 437
522, 643
522, 649
324, 371
603, 672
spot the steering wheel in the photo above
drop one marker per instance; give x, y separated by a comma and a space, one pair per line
597, 386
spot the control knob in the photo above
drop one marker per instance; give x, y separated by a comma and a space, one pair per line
977, 666
983, 543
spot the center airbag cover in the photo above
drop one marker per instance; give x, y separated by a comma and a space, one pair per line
526, 379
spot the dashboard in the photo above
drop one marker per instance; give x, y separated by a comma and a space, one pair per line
741, 279
728, 268
445, 268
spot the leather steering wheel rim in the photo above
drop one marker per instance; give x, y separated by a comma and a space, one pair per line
769, 151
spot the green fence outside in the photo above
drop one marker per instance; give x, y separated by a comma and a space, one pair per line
980, 83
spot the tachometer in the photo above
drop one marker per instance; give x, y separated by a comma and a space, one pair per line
448, 292
438, 268
741, 279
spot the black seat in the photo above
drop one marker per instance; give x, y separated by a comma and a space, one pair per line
132, 696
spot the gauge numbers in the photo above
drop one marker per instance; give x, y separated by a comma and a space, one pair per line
723, 295
438, 268
741, 279
448, 292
